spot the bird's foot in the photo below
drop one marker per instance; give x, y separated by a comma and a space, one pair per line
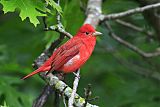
78, 76
47, 73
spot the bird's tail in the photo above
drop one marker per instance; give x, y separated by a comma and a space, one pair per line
31, 74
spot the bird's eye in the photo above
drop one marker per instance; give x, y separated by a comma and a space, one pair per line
87, 33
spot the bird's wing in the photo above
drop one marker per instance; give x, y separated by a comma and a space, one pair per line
65, 53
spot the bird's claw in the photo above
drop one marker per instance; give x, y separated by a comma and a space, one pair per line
78, 76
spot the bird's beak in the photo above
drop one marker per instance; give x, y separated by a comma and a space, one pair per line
96, 33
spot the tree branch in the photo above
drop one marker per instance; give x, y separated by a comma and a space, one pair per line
128, 12
75, 85
61, 87
130, 46
60, 29
137, 69
134, 27
152, 16
93, 12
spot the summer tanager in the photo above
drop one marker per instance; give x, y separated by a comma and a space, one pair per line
73, 54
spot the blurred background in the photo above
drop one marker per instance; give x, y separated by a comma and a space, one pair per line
119, 76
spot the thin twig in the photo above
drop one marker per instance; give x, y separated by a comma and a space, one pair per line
59, 28
58, 15
75, 85
136, 68
134, 27
94, 98
87, 94
128, 12
129, 45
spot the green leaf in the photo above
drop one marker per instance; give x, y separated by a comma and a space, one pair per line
28, 8
54, 5
8, 86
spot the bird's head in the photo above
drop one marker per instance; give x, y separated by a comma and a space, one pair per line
88, 30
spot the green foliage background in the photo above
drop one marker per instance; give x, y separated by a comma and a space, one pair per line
113, 70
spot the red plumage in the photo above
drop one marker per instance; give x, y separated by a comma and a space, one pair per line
73, 54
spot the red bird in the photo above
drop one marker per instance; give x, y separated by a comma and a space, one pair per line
73, 54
